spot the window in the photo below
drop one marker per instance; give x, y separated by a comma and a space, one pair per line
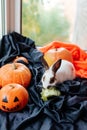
47, 20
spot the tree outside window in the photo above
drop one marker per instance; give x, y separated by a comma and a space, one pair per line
44, 21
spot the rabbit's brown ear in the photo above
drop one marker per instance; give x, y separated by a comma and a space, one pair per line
56, 65
45, 63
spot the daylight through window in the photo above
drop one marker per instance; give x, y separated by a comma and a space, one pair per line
47, 20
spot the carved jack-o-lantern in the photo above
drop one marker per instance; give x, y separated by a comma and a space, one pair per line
13, 97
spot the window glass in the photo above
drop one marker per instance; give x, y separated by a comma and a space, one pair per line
47, 20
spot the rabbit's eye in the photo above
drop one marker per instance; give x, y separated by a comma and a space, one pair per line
52, 79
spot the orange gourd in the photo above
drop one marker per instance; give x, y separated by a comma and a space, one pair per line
13, 97
53, 55
21, 59
15, 73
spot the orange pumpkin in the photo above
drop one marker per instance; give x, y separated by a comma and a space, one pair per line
53, 55
13, 97
15, 73
21, 59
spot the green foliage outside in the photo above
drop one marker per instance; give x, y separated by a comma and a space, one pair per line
43, 26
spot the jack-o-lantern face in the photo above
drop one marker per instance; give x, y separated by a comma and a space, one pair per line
13, 97
16, 106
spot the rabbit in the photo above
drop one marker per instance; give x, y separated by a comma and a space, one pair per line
60, 71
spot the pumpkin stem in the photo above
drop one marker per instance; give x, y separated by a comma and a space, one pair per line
16, 57
11, 86
55, 49
14, 66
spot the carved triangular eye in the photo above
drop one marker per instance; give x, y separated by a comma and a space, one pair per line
16, 99
5, 99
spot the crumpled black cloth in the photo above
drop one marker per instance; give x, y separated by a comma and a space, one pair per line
66, 112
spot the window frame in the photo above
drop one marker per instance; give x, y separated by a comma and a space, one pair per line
2, 17
13, 16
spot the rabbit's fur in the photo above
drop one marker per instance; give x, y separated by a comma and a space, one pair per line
60, 71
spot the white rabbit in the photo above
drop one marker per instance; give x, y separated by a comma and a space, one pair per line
60, 71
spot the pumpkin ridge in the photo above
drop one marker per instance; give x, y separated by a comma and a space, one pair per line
16, 76
5, 73
29, 75
13, 77
2, 82
29, 71
21, 75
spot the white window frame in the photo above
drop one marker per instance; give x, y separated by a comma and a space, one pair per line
2, 18
13, 16
0, 21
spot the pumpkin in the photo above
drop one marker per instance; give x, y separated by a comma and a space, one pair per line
15, 73
13, 97
21, 59
52, 55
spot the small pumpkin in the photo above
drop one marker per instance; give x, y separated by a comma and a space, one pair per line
53, 55
21, 59
13, 97
15, 73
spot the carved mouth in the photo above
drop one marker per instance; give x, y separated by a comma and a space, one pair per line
11, 109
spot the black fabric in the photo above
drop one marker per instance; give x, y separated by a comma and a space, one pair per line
66, 112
